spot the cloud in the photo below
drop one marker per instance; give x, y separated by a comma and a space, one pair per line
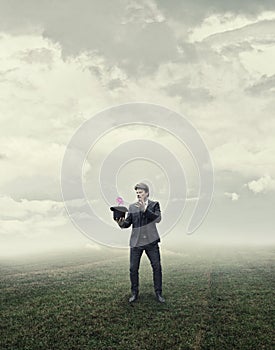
25, 209
251, 45
125, 32
35, 226
234, 196
182, 89
263, 185
143, 11
194, 13
210, 61
51, 97
217, 24
259, 31
3, 156
265, 85
31, 168
247, 158
209, 91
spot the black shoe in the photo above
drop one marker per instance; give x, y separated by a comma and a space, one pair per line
160, 297
133, 297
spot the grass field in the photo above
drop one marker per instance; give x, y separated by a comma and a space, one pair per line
219, 299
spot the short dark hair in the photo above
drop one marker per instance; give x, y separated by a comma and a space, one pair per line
142, 186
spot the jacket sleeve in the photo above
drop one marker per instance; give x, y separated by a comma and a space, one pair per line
155, 214
127, 222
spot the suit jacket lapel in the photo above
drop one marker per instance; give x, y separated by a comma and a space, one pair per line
149, 203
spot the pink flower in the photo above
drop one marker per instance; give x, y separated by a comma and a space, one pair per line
119, 200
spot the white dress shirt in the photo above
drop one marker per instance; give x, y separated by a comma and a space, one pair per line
145, 204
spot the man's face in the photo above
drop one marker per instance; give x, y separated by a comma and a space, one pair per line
141, 194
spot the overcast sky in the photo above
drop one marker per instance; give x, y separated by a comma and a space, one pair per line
63, 61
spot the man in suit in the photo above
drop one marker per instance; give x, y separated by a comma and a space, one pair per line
143, 216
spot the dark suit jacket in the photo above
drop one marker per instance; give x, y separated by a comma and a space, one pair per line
143, 223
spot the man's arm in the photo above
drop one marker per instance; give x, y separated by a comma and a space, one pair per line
154, 215
125, 223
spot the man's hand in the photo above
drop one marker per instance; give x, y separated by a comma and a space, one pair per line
140, 204
120, 221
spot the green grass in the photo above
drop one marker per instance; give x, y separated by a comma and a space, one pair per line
221, 300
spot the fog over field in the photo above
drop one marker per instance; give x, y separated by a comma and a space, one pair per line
211, 62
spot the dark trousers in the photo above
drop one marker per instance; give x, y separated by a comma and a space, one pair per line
152, 251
